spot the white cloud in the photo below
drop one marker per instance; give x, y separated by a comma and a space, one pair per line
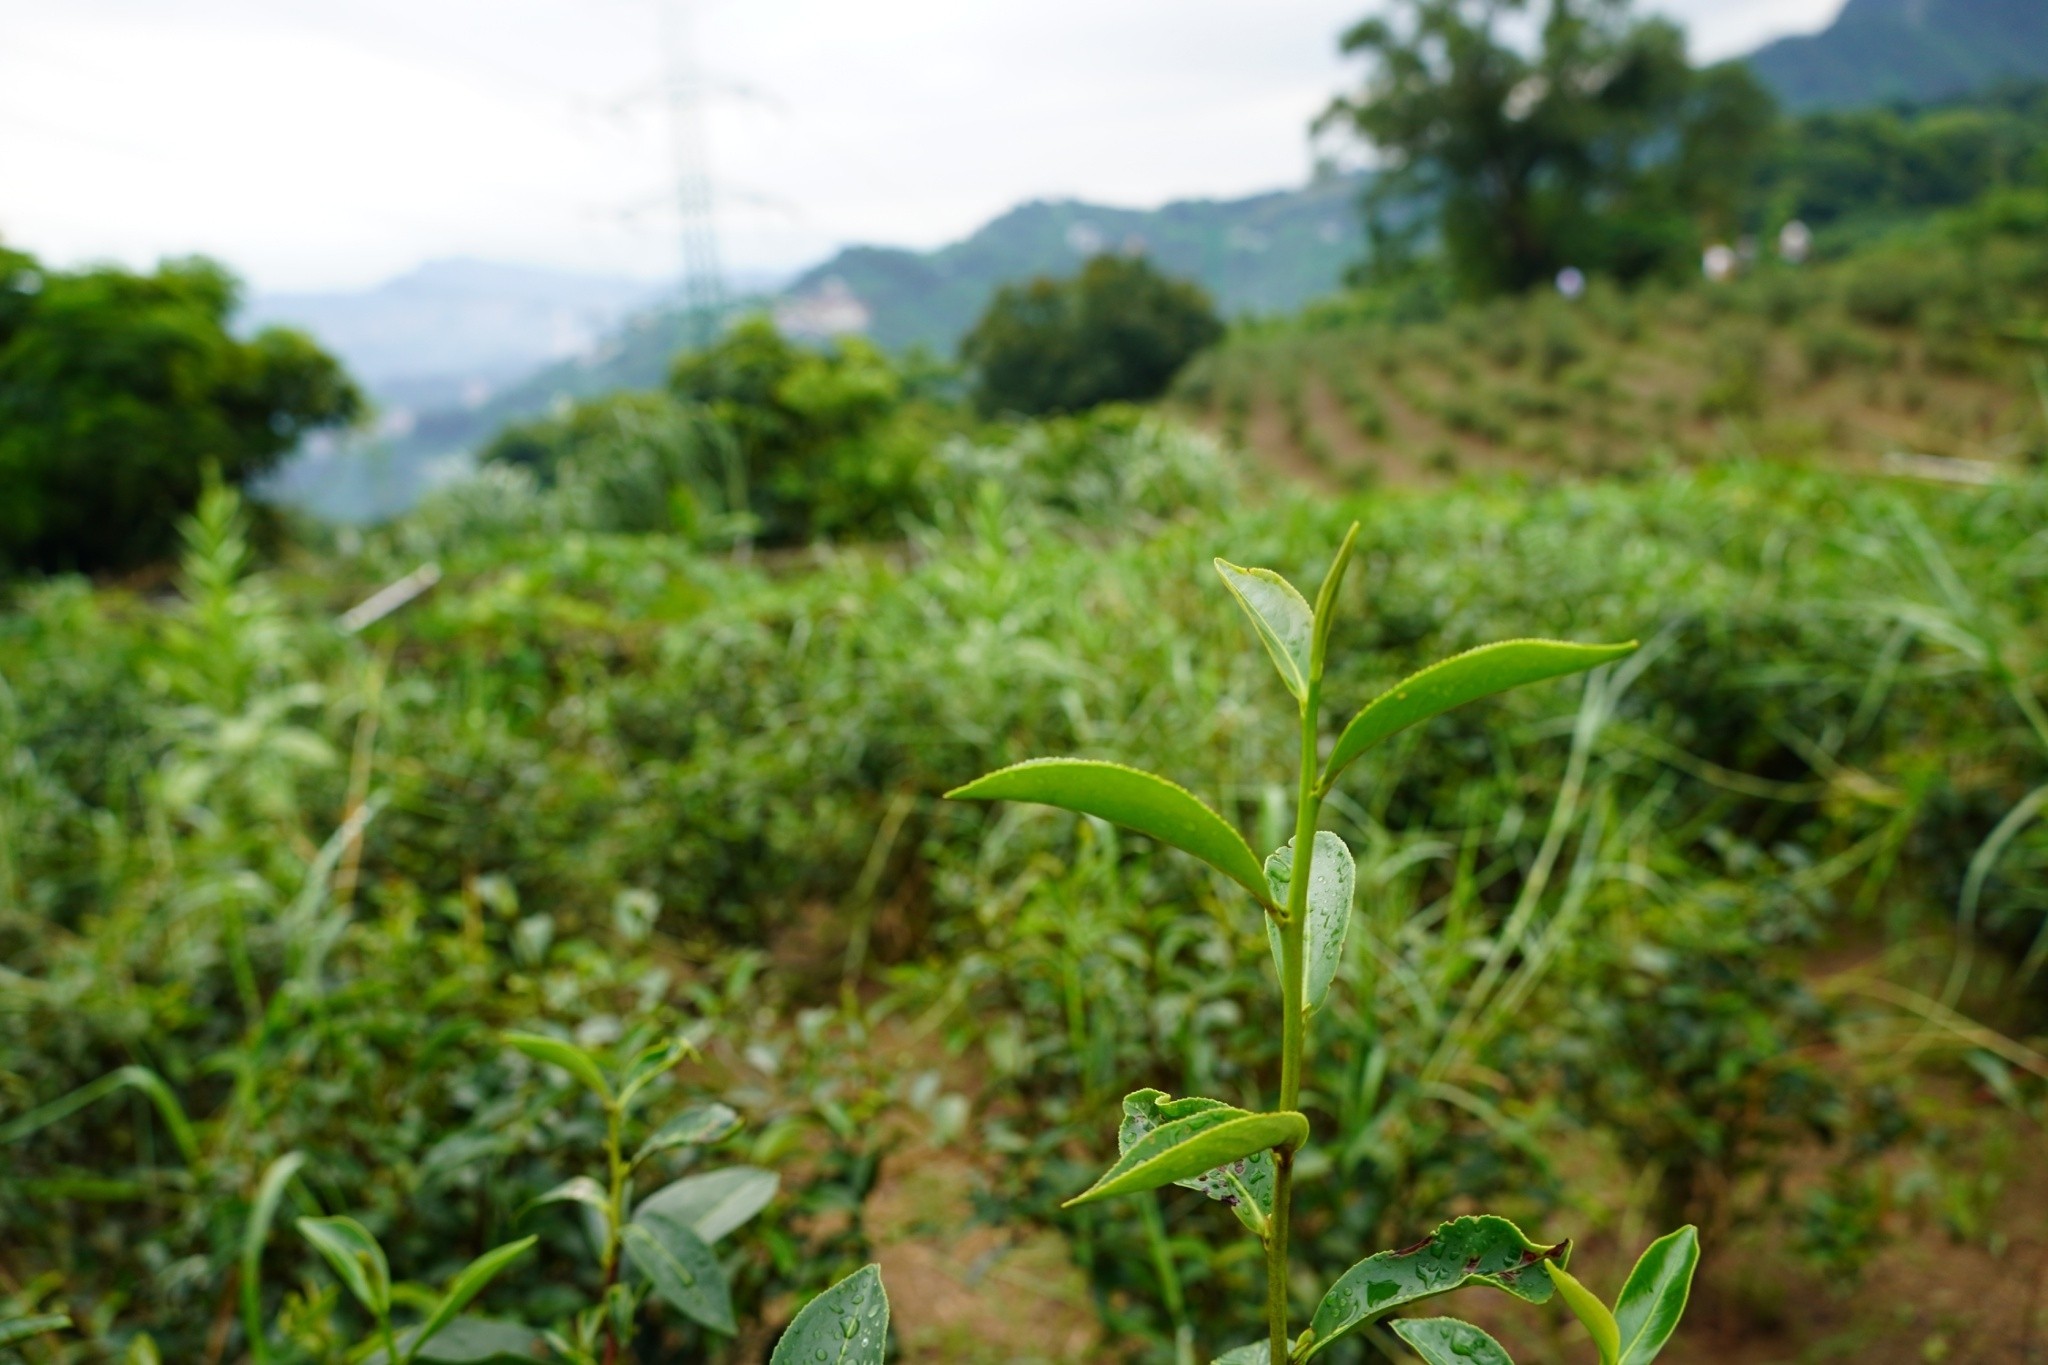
317, 144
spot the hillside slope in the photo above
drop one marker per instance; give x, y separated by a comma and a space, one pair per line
1881, 51
1915, 349
1268, 253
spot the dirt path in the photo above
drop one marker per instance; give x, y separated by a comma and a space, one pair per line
964, 1293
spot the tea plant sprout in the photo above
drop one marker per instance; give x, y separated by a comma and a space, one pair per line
1246, 1160
667, 1237
358, 1261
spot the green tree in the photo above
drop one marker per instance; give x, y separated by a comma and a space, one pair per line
829, 440
1117, 332
1602, 148
1883, 163
117, 390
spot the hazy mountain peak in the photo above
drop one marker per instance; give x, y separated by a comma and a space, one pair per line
1880, 51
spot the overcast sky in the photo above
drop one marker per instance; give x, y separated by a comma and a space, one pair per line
333, 143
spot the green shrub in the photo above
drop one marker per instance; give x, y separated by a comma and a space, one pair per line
1114, 466
1888, 290
631, 462
1828, 347
1735, 384
1560, 345
1119, 331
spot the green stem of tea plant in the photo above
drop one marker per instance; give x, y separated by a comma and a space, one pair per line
1294, 1018
615, 1218
1308, 805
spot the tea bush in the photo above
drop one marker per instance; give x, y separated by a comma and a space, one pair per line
306, 877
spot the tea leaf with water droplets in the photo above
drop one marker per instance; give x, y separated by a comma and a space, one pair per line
1244, 1186
1654, 1298
1476, 673
1192, 1145
681, 1268
1280, 615
1472, 1250
1142, 801
1446, 1341
848, 1324
1332, 876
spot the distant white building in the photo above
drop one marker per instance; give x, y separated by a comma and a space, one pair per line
831, 309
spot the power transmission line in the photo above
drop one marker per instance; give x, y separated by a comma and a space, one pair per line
704, 293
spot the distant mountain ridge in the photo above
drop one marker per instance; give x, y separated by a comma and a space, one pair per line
1265, 253
1917, 51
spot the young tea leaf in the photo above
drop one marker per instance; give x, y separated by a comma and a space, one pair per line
1244, 1186
566, 1055
713, 1203
1446, 1341
1281, 617
1326, 599
467, 1284
1586, 1306
1654, 1298
1476, 673
356, 1258
1251, 1353
699, 1124
1470, 1250
1148, 804
1193, 1145
1331, 880
681, 1268
848, 1324
649, 1065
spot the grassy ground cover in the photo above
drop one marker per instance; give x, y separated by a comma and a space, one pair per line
1752, 963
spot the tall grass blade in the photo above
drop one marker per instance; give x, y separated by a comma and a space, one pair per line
255, 1232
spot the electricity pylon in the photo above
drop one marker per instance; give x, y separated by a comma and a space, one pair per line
703, 278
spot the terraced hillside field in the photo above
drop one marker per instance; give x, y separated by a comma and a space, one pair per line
1928, 351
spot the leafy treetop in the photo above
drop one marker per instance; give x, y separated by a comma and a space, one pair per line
118, 389
1603, 148
1117, 332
